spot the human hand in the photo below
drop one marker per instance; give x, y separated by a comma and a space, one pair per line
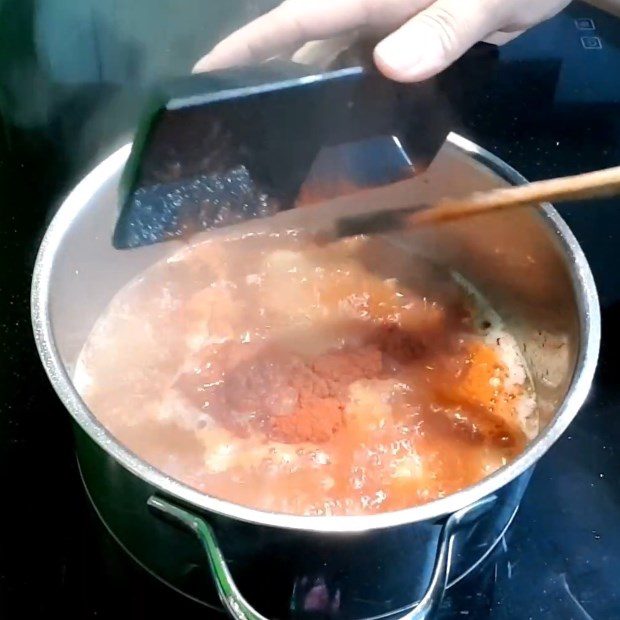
426, 35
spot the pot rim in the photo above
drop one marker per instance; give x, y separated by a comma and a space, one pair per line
589, 334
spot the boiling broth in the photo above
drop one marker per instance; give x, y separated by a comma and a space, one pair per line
271, 372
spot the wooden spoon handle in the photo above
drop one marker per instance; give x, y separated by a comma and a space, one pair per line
589, 185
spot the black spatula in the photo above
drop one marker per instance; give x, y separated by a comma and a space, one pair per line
219, 148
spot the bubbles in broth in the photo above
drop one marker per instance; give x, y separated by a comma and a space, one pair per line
353, 378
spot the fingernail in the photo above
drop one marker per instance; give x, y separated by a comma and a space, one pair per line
201, 65
397, 55
415, 55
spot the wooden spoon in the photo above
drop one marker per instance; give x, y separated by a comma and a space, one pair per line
598, 184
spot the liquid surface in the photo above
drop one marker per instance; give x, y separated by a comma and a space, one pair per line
347, 379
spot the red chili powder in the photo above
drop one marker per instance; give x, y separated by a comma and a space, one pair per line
322, 394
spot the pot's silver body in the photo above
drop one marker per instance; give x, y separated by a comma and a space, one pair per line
526, 262
377, 573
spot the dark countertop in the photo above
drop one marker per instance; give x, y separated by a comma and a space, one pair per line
551, 107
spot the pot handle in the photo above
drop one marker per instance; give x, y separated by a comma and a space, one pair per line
240, 609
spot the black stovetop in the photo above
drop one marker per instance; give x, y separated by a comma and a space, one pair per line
551, 106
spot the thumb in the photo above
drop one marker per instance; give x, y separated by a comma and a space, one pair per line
433, 39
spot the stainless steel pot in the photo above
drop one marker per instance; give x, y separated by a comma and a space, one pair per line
398, 564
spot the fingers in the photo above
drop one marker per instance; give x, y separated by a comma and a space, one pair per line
435, 32
286, 27
526, 14
322, 54
296, 22
436, 37
260, 39
501, 38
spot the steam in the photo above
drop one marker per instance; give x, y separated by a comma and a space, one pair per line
78, 73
